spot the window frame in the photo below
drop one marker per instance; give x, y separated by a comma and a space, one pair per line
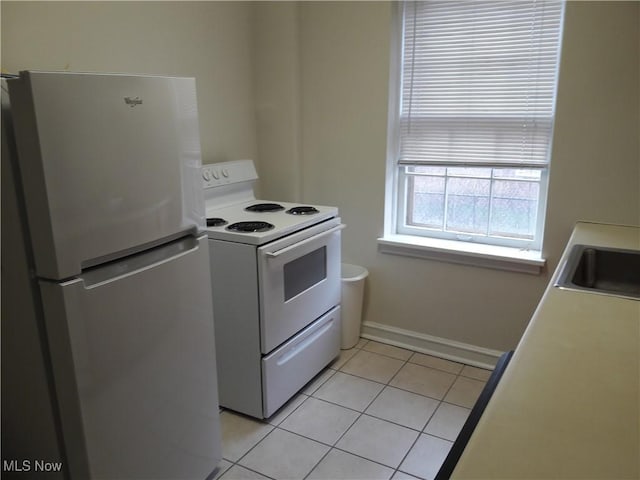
396, 199
401, 227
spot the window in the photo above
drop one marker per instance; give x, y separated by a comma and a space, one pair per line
471, 126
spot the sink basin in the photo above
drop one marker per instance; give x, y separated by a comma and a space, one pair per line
607, 271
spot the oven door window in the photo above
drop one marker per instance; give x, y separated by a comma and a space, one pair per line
304, 272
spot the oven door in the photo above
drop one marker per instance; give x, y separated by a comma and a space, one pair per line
299, 280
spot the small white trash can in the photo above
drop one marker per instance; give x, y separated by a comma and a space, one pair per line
353, 278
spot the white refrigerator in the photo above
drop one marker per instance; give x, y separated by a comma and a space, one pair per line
108, 351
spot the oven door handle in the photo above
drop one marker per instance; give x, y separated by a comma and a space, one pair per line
305, 241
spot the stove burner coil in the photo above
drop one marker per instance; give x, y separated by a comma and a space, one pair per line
264, 207
303, 210
250, 227
216, 222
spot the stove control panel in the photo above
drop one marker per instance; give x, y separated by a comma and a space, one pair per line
225, 173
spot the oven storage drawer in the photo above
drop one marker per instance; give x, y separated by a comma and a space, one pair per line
288, 368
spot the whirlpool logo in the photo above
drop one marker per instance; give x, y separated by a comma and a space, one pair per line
133, 101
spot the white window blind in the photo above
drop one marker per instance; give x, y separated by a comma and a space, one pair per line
478, 82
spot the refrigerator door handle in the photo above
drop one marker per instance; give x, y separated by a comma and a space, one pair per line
117, 270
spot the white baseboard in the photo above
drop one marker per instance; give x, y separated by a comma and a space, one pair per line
439, 347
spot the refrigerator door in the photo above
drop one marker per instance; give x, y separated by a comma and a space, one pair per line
132, 346
110, 164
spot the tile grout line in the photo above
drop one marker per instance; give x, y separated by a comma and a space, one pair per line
395, 469
293, 433
343, 434
388, 383
334, 445
353, 423
396, 387
419, 432
360, 414
363, 413
408, 360
430, 418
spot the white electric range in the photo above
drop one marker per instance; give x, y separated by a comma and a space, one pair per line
275, 269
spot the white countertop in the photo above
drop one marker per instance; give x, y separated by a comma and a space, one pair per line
568, 405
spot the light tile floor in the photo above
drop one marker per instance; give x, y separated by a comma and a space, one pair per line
377, 412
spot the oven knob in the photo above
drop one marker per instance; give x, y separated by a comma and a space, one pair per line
215, 173
206, 175
225, 172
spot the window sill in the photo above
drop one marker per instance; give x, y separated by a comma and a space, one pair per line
466, 253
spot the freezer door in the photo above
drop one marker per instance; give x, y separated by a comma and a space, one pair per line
109, 163
133, 356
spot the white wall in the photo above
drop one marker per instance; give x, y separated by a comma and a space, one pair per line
343, 50
276, 81
595, 167
309, 81
207, 40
